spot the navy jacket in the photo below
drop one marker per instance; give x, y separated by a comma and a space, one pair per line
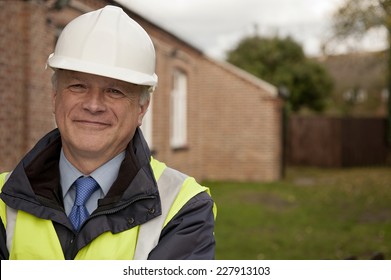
36, 189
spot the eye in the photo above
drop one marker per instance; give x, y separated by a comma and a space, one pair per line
77, 88
115, 93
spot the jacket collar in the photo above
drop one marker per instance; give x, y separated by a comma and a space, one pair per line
34, 185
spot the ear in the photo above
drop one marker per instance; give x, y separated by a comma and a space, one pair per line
143, 111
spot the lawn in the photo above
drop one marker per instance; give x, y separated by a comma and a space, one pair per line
311, 214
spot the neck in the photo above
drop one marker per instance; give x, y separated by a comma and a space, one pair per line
86, 164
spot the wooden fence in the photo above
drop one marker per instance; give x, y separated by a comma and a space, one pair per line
336, 142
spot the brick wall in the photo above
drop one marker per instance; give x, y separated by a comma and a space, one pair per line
24, 94
234, 125
240, 127
40, 36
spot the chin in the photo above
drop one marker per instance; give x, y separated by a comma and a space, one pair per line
90, 147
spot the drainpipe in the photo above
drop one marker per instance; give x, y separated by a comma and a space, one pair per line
283, 94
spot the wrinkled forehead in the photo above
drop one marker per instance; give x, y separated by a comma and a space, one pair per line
65, 76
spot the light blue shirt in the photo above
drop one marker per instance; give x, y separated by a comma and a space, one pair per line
104, 175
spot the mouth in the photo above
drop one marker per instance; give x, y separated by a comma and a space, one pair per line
92, 124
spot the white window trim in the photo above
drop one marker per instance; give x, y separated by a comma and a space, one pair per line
147, 124
178, 112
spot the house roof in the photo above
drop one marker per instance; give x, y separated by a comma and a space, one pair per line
363, 70
267, 87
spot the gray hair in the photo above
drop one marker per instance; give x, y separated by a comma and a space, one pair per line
146, 93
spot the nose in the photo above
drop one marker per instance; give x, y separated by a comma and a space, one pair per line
94, 101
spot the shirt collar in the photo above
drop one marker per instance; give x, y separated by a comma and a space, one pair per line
105, 175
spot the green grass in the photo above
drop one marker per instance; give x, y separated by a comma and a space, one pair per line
312, 214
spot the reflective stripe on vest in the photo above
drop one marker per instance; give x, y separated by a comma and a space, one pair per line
7, 213
175, 190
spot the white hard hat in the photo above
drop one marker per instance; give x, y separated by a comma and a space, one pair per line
106, 42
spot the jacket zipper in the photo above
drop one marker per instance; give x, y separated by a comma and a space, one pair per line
109, 212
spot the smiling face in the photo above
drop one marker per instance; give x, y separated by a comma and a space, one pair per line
97, 117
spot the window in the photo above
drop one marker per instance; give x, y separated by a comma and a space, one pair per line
178, 133
146, 127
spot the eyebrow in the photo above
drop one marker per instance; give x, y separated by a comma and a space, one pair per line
129, 87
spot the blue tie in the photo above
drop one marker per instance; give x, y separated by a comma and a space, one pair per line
85, 187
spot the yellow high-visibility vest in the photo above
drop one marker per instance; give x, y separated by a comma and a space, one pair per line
25, 232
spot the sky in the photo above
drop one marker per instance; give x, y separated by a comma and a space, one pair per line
217, 26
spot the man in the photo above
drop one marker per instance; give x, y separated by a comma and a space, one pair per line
90, 189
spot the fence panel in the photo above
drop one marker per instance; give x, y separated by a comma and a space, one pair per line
336, 142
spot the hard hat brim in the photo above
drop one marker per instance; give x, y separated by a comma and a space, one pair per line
114, 72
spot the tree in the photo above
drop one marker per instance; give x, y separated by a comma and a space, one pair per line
357, 17
283, 63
